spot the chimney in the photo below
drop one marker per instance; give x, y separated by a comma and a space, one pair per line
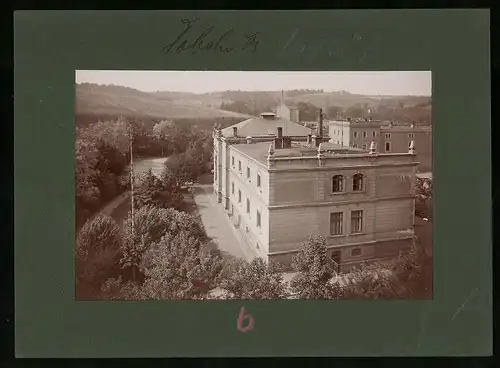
286, 142
309, 139
268, 115
320, 123
315, 140
373, 148
249, 140
235, 131
280, 132
412, 148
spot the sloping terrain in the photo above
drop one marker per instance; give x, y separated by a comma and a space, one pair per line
92, 99
341, 99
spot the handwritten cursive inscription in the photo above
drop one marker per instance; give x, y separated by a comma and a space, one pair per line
191, 40
354, 47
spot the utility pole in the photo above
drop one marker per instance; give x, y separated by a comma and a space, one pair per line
132, 176
342, 120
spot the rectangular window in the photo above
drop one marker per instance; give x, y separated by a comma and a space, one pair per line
387, 146
355, 134
239, 166
239, 196
365, 134
248, 205
364, 146
387, 135
258, 180
232, 161
336, 223
356, 252
409, 144
232, 187
248, 172
258, 219
356, 222
355, 145
410, 135
374, 133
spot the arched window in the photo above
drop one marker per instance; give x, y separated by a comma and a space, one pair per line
338, 184
357, 182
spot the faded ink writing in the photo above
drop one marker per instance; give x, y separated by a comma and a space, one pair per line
210, 40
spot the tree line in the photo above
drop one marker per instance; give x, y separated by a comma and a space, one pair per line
420, 113
168, 256
103, 156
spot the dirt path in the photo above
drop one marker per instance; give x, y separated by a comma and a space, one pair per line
140, 167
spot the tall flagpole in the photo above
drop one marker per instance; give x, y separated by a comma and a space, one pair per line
132, 176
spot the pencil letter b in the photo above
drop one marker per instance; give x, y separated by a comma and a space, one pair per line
241, 319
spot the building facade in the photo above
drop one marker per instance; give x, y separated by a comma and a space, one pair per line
288, 112
277, 189
390, 138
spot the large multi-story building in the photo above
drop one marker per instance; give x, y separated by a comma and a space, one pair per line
389, 137
279, 181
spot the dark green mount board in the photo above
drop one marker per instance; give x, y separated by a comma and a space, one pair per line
51, 45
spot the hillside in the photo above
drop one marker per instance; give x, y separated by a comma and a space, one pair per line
345, 99
92, 99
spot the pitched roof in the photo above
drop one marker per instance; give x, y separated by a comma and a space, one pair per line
259, 126
290, 106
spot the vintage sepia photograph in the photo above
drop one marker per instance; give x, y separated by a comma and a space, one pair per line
215, 185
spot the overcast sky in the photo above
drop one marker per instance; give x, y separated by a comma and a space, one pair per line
368, 83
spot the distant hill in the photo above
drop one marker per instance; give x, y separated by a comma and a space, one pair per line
345, 99
111, 100
98, 102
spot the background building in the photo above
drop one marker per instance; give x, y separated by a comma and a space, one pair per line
278, 188
389, 137
287, 111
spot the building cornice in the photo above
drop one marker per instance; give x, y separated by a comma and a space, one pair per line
351, 200
345, 167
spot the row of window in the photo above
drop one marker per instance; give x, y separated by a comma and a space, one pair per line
258, 222
374, 134
387, 146
358, 181
337, 222
248, 171
387, 135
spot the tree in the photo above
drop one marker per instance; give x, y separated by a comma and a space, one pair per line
87, 193
403, 278
356, 111
307, 111
315, 271
423, 200
178, 266
254, 280
333, 111
160, 131
372, 281
97, 252
411, 268
183, 167
149, 226
157, 192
